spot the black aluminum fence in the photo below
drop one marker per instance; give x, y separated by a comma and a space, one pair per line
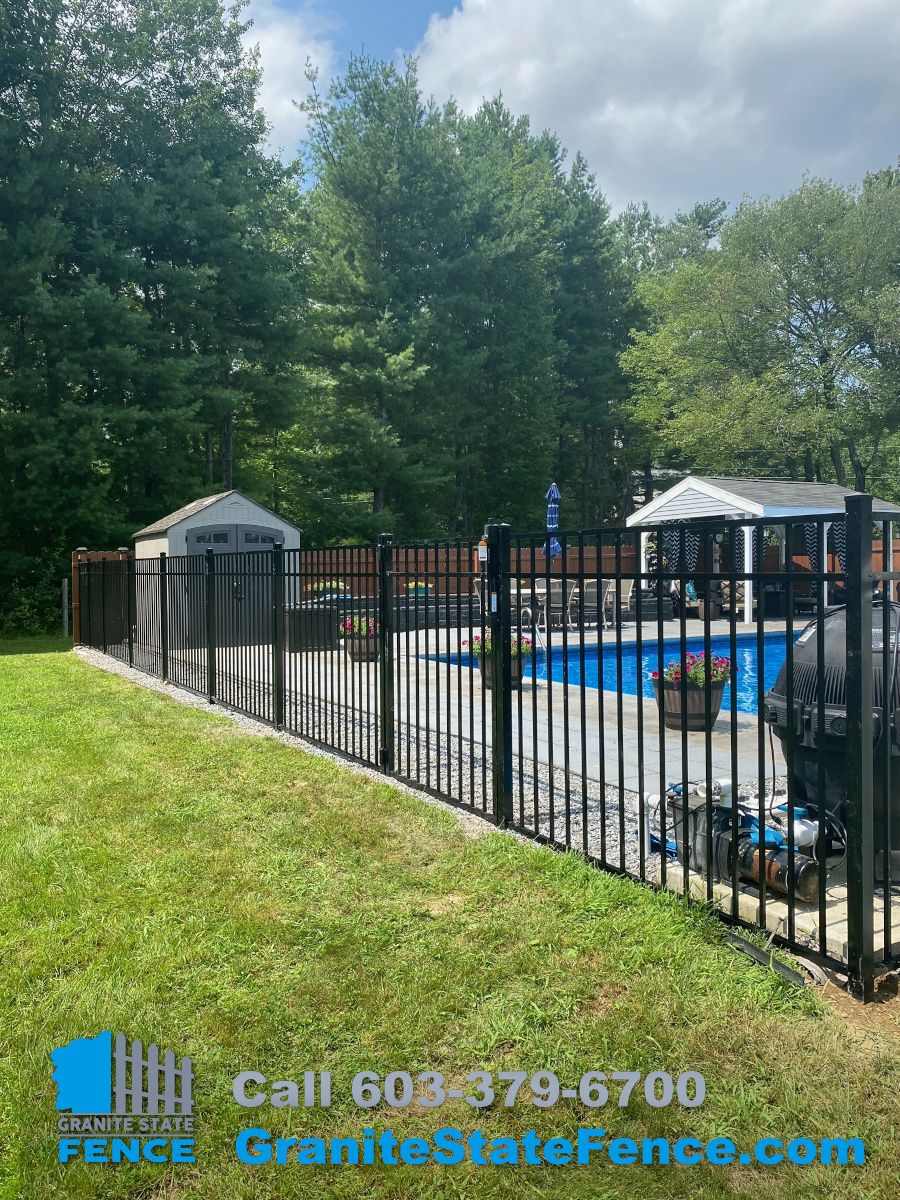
531, 687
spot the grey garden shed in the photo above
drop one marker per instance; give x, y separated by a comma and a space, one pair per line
225, 523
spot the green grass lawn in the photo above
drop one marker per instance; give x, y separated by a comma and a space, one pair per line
259, 908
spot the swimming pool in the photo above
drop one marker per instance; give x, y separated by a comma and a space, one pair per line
569, 666
746, 663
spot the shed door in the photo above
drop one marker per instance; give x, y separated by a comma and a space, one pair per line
218, 538
258, 537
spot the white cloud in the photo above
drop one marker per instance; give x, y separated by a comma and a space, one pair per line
286, 40
679, 100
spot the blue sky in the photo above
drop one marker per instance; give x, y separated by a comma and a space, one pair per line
670, 101
383, 28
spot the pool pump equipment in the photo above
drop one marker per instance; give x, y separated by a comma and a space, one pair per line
833, 733
728, 838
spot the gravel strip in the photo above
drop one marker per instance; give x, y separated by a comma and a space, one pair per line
603, 821
472, 825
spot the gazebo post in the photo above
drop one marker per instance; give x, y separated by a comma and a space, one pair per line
823, 559
645, 538
887, 558
748, 567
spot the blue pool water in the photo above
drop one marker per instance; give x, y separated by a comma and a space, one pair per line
746, 663
569, 666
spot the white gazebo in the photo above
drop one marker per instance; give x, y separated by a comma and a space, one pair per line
705, 498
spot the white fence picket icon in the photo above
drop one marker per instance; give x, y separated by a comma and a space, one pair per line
173, 1102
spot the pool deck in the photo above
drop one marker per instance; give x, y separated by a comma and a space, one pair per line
627, 752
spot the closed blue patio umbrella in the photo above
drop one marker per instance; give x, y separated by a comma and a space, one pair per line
552, 498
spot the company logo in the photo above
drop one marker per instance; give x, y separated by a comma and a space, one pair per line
109, 1090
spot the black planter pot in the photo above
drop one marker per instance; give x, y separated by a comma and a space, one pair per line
695, 700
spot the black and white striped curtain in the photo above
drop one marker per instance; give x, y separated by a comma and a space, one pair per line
737, 563
839, 533
672, 547
811, 536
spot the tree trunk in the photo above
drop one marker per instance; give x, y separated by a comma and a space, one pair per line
792, 467
837, 461
648, 482
275, 496
378, 500
808, 470
228, 450
859, 471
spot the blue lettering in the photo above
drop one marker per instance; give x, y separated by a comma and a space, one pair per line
504, 1150
558, 1150
311, 1150
337, 1150
661, 1145
414, 1151
623, 1151
151, 1145
843, 1147
95, 1150
68, 1147
449, 1147
809, 1148
760, 1147
680, 1150
588, 1140
282, 1145
130, 1151
183, 1150
256, 1155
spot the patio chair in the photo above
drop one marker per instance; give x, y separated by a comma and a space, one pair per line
523, 604
609, 605
594, 596
560, 609
729, 601
521, 599
587, 601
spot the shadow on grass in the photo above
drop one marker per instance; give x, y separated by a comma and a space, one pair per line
35, 645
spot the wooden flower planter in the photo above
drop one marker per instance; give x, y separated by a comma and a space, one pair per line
695, 699
515, 670
362, 649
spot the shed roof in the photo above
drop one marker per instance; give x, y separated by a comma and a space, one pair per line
165, 523
703, 496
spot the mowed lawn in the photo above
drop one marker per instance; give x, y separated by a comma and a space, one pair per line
259, 908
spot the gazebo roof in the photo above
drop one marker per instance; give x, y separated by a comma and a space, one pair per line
701, 497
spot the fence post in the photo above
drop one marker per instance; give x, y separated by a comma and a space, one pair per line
211, 626
103, 601
76, 594
386, 649
500, 627
164, 617
860, 749
130, 603
278, 635
65, 605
